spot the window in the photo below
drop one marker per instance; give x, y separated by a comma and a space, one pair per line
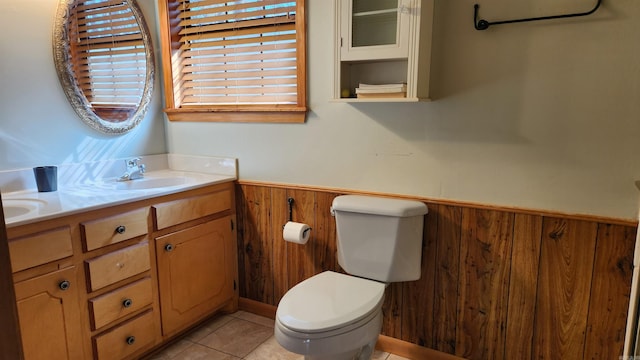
241, 60
107, 54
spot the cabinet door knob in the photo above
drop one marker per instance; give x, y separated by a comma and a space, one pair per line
131, 340
121, 229
168, 247
64, 285
127, 303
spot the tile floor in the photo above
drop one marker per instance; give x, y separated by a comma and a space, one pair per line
241, 335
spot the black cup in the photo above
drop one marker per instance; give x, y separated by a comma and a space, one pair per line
46, 178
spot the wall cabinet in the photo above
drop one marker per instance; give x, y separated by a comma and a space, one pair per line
383, 42
376, 29
106, 291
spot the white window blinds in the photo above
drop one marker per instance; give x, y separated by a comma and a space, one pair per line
108, 56
235, 52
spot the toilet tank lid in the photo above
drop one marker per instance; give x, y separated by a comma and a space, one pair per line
378, 205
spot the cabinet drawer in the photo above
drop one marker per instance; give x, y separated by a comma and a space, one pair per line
124, 340
118, 265
107, 231
34, 250
118, 303
180, 211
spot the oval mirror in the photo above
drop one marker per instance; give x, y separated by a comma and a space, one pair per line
104, 59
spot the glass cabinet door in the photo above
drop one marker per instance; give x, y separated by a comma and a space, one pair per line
375, 29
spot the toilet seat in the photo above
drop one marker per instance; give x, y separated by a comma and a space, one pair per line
329, 301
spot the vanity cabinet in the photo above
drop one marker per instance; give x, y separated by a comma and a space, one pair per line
383, 42
47, 302
119, 302
50, 323
197, 265
117, 282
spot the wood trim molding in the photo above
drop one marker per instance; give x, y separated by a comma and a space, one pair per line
256, 307
467, 204
10, 342
209, 115
411, 351
385, 343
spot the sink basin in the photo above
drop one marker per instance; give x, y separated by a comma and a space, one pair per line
151, 183
13, 211
18, 207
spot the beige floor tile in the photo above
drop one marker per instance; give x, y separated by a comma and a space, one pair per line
200, 352
380, 355
207, 328
160, 356
255, 318
396, 357
237, 337
176, 348
271, 350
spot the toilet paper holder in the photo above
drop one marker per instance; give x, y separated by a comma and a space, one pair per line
290, 201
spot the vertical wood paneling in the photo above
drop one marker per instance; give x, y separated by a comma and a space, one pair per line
300, 257
610, 292
391, 324
564, 287
525, 257
445, 311
324, 234
418, 296
279, 216
494, 284
258, 275
240, 201
485, 260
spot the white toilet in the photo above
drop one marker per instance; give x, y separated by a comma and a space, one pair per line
337, 316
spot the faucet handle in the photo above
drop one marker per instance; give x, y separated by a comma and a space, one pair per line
132, 162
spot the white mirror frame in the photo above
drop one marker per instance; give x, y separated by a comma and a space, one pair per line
67, 80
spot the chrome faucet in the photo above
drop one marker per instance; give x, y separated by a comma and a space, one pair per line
134, 170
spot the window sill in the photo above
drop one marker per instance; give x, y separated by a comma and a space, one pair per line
253, 115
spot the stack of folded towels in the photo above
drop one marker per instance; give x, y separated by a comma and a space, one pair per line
364, 91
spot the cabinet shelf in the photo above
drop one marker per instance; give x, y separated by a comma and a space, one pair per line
375, 12
379, 100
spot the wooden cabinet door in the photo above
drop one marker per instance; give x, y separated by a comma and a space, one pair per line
49, 316
195, 272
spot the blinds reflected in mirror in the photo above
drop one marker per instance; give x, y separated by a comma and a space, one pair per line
107, 53
236, 52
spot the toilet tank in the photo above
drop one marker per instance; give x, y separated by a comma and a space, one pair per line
379, 238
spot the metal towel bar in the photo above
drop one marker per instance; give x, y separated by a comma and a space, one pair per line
484, 24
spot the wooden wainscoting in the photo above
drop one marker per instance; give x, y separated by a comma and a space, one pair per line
496, 283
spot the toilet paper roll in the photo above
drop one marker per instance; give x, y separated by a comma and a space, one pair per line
296, 232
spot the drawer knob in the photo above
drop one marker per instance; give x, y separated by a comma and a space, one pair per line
127, 303
121, 229
64, 285
168, 247
131, 340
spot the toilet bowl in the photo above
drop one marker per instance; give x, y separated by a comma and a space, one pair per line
331, 316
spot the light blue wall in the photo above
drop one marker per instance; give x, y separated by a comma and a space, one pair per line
37, 124
543, 115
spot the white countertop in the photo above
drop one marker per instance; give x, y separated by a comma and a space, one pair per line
26, 205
